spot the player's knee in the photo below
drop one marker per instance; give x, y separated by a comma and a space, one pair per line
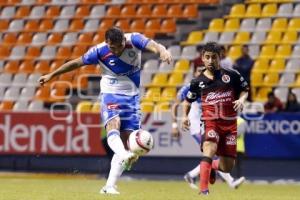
209, 148
226, 167
113, 124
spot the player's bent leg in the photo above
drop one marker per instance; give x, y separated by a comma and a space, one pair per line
191, 176
226, 164
226, 177
238, 182
130, 158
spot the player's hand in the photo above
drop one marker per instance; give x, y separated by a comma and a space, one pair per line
238, 105
166, 56
186, 124
175, 133
44, 79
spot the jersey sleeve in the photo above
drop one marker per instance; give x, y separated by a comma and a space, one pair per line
181, 95
91, 56
194, 91
240, 84
139, 41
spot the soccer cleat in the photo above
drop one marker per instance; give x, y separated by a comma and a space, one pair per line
109, 190
212, 178
204, 192
190, 181
235, 184
128, 160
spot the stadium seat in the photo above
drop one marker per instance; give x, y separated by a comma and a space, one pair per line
63, 53
52, 12
175, 79
226, 37
159, 79
6, 105
19, 80
267, 51
253, 10
261, 65
8, 12
32, 79
11, 94
168, 94
48, 53
4, 24
57, 94
289, 37
91, 25
190, 11
9, 38
258, 37
235, 52
42, 67
144, 11
293, 65
182, 66
46, 25
189, 52
97, 11
98, 37
31, 25
11, 67
285, 10
279, 24
194, 38
27, 67
277, 65
283, 51
274, 37
271, 79
216, 25
82, 11
296, 84
67, 11
152, 94
4, 52
27, 93
137, 25
22, 12
264, 24
241, 38
123, 24
153, 25
105, 24
286, 79
168, 26
248, 25
61, 25
43, 93
165, 67
80, 82
294, 24
151, 66
20, 106
128, 11
54, 38
281, 93
256, 79
147, 107
36, 106
211, 36
262, 94
76, 25
162, 107
159, 11
296, 52
237, 10
296, 91
175, 51
269, 10
232, 25
17, 53
24, 38
113, 11
78, 51
175, 11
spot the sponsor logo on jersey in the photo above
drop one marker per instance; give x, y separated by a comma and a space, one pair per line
212, 134
212, 96
226, 78
191, 95
201, 84
231, 140
112, 62
112, 106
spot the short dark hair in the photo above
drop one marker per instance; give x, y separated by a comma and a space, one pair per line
115, 35
211, 47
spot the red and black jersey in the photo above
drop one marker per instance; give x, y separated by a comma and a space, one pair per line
217, 95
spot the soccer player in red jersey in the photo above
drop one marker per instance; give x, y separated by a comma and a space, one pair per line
223, 93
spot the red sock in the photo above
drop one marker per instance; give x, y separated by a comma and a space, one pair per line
205, 168
215, 164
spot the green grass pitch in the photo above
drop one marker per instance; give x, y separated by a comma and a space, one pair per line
58, 187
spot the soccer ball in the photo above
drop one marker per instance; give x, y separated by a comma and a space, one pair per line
140, 142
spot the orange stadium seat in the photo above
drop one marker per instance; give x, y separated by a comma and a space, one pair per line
168, 26
78, 51
56, 64
175, 11
24, 38
80, 82
144, 11
42, 67
32, 52
128, 11
89, 69
76, 25
98, 37
85, 39
23, 12
43, 93
31, 25
3, 25
13, 1
54, 38
123, 24
58, 94
10, 39
11, 67
82, 11
46, 25
67, 76
4, 52
43, 1
52, 11
63, 53
113, 11
6, 105
105, 24
159, 11
190, 11
137, 25
27, 67
153, 25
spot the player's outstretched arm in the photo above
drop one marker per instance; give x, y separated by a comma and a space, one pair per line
239, 104
69, 66
164, 54
186, 107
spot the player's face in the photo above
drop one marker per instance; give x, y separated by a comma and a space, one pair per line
116, 48
211, 60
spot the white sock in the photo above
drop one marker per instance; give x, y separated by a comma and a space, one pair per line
194, 173
115, 143
226, 176
115, 172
